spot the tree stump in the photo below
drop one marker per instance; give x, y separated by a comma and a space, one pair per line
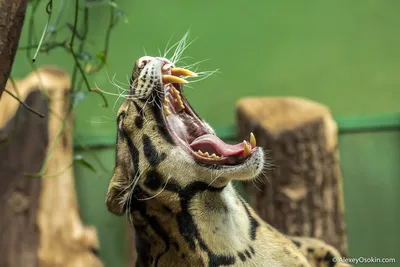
39, 223
302, 195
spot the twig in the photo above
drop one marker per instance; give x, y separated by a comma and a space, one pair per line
78, 65
71, 43
111, 25
82, 44
44, 47
86, 80
49, 10
23, 104
31, 26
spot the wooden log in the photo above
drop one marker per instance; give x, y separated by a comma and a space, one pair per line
302, 195
39, 223
12, 15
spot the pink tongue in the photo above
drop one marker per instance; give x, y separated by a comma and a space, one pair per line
205, 142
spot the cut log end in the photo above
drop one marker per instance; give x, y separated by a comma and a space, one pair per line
278, 114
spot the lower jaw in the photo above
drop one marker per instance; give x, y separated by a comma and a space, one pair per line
215, 161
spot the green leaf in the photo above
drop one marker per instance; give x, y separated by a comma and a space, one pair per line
102, 58
79, 159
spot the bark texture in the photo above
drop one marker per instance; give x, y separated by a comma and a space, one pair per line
302, 195
19, 196
41, 226
12, 15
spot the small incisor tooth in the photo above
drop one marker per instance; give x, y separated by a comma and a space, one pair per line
178, 98
253, 142
214, 156
172, 79
183, 72
166, 111
247, 150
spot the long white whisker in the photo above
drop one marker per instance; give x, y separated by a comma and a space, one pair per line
178, 59
255, 185
178, 51
156, 195
166, 49
169, 49
194, 64
205, 77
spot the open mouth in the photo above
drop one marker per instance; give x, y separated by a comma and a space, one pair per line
189, 132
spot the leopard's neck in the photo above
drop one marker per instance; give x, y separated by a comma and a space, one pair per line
210, 224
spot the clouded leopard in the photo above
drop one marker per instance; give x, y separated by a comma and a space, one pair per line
173, 178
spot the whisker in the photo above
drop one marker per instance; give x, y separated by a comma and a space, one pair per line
194, 64
215, 179
204, 77
166, 50
180, 48
255, 185
156, 195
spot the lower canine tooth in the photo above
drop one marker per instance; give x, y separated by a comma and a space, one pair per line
253, 142
246, 150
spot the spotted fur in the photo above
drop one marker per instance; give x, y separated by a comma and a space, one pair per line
186, 213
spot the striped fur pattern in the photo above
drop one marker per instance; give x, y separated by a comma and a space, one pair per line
188, 213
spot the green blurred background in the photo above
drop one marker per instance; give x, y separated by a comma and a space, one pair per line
344, 54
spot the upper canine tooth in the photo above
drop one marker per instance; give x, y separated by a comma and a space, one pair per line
172, 79
253, 142
183, 72
247, 150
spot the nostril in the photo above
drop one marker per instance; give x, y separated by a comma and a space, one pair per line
167, 66
143, 61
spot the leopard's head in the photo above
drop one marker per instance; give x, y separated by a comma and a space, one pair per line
164, 146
